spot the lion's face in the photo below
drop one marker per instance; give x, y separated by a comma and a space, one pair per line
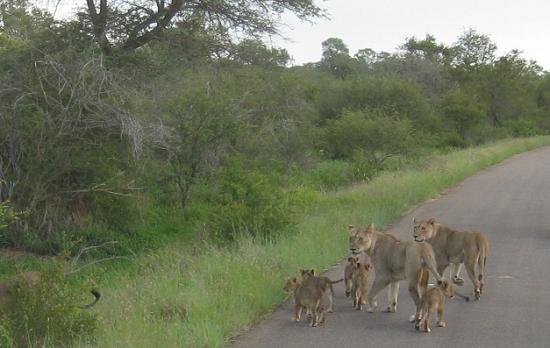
447, 287
291, 284
424, 230
360, 239
307, 273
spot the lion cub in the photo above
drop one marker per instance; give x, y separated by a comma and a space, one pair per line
359, 288
309, 297
434, 300
348, 274
323, 283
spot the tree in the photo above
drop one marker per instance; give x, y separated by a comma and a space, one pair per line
473, 50
336, 57
428, 48
127, 25
200, 125
462, 113
255, 52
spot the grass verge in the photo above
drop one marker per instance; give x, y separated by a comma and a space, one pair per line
193, 295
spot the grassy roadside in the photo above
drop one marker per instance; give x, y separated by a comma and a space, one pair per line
199, 298
199, 295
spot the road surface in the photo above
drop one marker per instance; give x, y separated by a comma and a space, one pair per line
510, 203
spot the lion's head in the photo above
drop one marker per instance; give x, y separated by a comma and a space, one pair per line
424, 229
447, 287
360, 239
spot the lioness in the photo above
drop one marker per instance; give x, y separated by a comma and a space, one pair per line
30, 279
323, 283
393, 260
434, 300
454, 247
348, 273
359, 289
309, 297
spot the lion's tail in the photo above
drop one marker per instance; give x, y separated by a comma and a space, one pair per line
428, 258
336, 281
97, 295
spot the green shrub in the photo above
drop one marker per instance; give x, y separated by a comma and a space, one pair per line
47, 315
329, 175
377, 133
249, 202
523, 127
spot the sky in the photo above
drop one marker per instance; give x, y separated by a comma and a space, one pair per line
384, 25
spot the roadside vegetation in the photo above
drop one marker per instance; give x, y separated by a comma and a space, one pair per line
197, 166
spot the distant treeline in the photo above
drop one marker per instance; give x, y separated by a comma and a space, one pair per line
138, 122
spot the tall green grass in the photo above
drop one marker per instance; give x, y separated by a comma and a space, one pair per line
199, 295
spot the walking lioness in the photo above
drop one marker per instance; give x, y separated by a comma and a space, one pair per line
393, 260
455, 247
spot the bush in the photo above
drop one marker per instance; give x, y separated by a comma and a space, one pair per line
248, 202
464, 115
47, 314
523, 127
7, 215
329, 175
377, 134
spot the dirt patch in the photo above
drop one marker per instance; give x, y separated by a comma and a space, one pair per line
12, 254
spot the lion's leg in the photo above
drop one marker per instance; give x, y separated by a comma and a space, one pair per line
392, 297
455, 274
470, 268
313, 317
378, 285
423, 278
413, 291
355, 295
441, 317
426, 321
330, 299
357, 299
297, 313
421, 315
349, 286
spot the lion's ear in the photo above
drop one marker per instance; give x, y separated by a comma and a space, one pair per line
440, 282
370, 228
431, 221
350, 228
312, 271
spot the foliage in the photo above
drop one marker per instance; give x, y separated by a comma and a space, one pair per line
249, 202
127, 25
48, 314
7, 215
131, 121
376, 133
463, 113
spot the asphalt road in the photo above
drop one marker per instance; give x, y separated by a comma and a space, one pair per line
510, 203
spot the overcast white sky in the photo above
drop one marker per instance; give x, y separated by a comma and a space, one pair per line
384, 25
